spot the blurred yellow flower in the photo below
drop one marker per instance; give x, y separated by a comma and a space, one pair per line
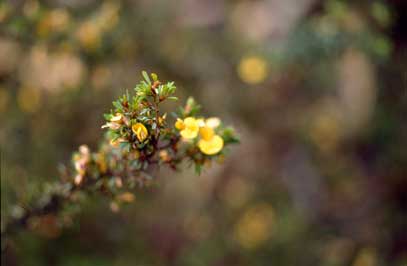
366, 257
5, 11
114, 207
89, 35
29, 99
209, 143
326, 130
253, 69
108, 15
101, 162
4, 99
126, 197
255, 226
189, 127
140, 130
56, 20
31, 8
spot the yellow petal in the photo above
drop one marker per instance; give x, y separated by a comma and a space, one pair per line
179, 124
206, 133
201, 122
191, 128
191, 122
140, 130
212, 146
101, 162
189, 134
212, 122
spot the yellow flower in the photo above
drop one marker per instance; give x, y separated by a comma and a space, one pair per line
179, 124
140, 130
255, 226
201, 122
209, 143
189, 127
253, 69
207, 133
126, 197
101, 162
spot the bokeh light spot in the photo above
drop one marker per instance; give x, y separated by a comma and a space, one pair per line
29, 99
366, 257
4, 99
255, 226
252, 69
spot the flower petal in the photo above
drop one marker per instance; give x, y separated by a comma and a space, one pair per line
212, 122
140, 130
212, 146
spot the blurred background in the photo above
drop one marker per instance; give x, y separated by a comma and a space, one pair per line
315, 89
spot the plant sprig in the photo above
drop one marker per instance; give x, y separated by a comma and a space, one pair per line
137, 137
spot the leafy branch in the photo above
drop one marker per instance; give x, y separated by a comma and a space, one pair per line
137, 137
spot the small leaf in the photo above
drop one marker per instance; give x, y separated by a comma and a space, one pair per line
125, 146
145, 75
107, 116
117, 105
154, 76
173, 98
198, 168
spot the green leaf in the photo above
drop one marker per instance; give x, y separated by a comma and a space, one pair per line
127, 95
117, 104
198, 168
154, 76
173, 98
107, 116
145, 75
115, 137
125, 146
229, 136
